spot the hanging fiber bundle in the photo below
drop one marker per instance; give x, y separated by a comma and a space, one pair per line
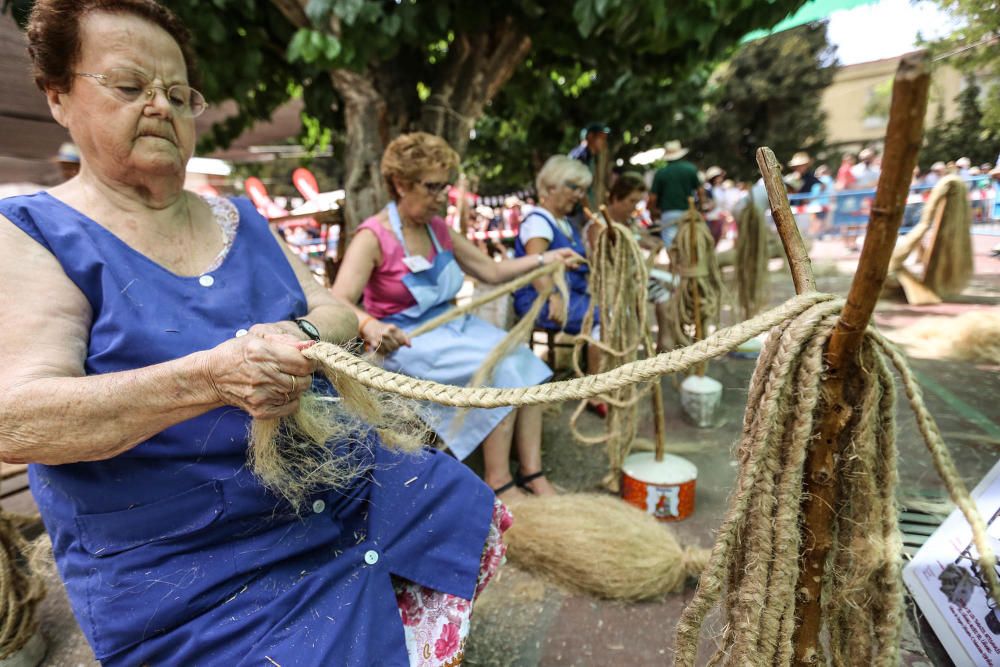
945, 224
692, 257
599, 545
752, 255
754, 568
618, 285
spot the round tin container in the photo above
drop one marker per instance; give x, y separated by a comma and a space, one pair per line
664, 489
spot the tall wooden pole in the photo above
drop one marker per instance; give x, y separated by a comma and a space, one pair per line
784, 220
835, 417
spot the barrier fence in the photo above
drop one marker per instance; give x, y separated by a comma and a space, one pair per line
845, 213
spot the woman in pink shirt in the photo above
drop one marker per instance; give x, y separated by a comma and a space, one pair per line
408, 266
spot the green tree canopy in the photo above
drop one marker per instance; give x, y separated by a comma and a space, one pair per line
768, 94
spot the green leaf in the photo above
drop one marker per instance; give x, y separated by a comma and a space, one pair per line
392, 24
332, 48
348, 10
318, 11
298, 43
586, 19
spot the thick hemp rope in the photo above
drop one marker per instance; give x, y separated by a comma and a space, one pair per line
754, 565
21, 587
702, 275
618, 289
753, 287
946, 219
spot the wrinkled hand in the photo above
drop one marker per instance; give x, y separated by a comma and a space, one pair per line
565, 255
556, 309
263, 372
384, 338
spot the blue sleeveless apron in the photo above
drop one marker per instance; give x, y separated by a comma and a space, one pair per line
576, 280
172, 553
453, 352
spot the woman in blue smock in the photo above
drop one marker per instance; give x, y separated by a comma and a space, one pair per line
408, 266
151, 325
561, 184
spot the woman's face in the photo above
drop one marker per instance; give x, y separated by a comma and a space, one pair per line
126, 141
564, 196
422, 199
621, 209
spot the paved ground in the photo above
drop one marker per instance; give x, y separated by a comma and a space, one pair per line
523, 621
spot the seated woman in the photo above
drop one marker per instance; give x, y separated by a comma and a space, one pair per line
561, 184
408, 265
623, 197
151, 326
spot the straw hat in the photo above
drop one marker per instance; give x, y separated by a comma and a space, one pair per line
673, 150
963, 163
712, 172
799, 159
939, 166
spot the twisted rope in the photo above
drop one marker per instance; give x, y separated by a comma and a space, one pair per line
343, 367
692, 257
21, 587
754, 564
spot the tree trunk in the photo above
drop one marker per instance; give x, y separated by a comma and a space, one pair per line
367, 129
476, 68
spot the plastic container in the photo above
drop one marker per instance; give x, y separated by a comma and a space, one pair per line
665, 489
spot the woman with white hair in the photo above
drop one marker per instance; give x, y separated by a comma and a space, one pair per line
561, 184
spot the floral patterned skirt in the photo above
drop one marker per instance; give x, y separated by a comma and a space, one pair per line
436, 624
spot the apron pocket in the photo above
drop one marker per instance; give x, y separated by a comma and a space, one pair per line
111, 533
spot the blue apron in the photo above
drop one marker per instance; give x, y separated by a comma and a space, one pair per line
172, 553
453, 352
576, 280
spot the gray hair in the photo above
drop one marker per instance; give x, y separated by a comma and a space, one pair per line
557, 170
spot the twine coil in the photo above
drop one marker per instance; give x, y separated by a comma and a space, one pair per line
692, 258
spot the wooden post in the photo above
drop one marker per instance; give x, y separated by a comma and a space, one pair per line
784, 220
902, 143
695, 294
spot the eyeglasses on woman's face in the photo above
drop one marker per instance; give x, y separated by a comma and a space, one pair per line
129, 85
573, 187
434, 188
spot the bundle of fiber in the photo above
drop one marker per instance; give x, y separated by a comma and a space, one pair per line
945, 224
752, 254
618, 289
755, 566
21, 588
971, 336
692, 257
599, 545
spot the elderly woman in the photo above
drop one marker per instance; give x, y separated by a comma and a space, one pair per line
408, 265
561, 184
151, 326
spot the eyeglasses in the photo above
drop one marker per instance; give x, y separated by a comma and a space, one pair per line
575, 187
128, 86
434, 188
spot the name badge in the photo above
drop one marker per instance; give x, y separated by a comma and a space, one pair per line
416, 263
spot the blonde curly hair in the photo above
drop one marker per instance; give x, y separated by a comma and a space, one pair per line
409, 156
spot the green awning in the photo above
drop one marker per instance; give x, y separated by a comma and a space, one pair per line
809, 12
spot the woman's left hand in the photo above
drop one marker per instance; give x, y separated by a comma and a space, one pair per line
567, 256
285, 328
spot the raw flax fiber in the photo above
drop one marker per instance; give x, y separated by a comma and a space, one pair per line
21, 586
947, 263
753, 287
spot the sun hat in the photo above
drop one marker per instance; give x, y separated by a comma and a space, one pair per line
673, 150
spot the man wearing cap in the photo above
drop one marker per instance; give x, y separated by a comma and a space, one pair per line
593, 142
672, 185
866, 171
936, 173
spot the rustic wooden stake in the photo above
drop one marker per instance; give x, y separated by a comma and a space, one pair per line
784, 220
695, 294
902, 143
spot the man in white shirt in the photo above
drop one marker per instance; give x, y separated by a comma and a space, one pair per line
866, 171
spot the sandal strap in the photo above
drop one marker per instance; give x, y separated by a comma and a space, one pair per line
506, 487
521, 481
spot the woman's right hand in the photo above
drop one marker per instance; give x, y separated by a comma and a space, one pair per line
383, 338
556, 308
262, 372
567, 256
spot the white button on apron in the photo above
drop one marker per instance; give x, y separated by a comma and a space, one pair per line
319, 506
371, 557
241, 332
206, 280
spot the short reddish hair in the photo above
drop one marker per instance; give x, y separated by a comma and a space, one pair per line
54, 36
